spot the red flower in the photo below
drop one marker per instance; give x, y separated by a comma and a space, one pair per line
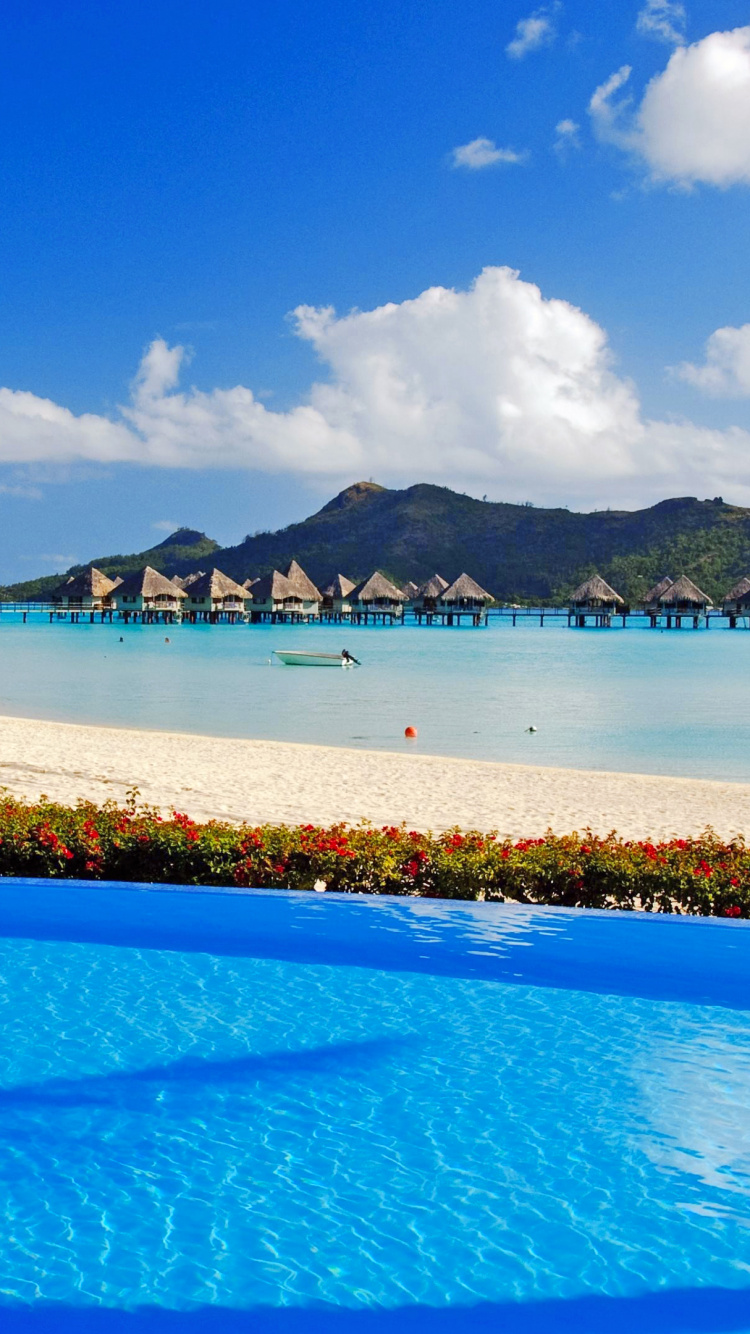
734, 911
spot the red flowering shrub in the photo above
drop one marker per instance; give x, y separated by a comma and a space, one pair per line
700, 875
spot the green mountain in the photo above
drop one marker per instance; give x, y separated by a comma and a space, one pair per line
518, 552
179, 553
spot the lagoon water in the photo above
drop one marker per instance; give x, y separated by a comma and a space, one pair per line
634, 700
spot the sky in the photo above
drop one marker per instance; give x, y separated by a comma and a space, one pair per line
253, 253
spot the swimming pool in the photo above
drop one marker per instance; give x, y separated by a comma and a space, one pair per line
287, 1112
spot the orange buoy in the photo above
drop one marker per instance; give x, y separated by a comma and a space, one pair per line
410, 731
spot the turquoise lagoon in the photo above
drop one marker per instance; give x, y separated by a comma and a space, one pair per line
633, 700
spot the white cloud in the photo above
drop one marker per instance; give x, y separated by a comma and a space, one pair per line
539, 29
159, 370
494, 386
726, 371
37, 430
484, 153
664, 20
607, 114
568, 137
22, 492
165, 526
56, 558
692, 123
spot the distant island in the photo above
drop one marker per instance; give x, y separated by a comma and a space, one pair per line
521, 553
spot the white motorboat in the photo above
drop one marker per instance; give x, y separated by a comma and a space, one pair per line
292, 658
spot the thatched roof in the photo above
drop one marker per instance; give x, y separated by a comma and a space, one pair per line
185, 581
740, 592
148, 583
655, 593
410, 589
215, 584
250, 583
433, 588
117, 582
273, 587
303, 587
340, 587
594, 590
377, 586
465, 589
684, 590
91, 583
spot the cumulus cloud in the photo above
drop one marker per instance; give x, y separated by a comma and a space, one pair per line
692, 122
484, 153
568, 137
539, 29
37, 430
496, 385
664, 20
725, 373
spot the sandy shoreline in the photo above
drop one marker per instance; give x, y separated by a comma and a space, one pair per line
277, 781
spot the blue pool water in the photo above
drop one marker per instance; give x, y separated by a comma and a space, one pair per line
288, 1112
634, 700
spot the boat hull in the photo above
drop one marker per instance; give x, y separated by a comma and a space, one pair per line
293, 659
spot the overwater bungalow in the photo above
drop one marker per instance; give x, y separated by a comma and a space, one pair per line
215, 597
683, 598
84, 594
410, 590
594, 598
275, 598
464, 597
650, 602
149, 595
336, 604
737, 601
310, 596
185, 581
377, 599
424, 601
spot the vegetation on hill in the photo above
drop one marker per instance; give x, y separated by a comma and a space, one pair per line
177, 554
518, 552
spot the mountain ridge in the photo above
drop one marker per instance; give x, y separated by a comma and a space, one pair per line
519, 552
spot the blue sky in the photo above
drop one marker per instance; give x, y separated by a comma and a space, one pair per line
192, 174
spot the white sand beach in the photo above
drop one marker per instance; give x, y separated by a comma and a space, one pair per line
236, 780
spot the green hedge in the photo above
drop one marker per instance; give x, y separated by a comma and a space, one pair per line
701, 875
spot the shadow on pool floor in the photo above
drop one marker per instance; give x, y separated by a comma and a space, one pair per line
677, 1311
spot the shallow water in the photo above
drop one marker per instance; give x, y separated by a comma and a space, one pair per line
632, 700
534, 1115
